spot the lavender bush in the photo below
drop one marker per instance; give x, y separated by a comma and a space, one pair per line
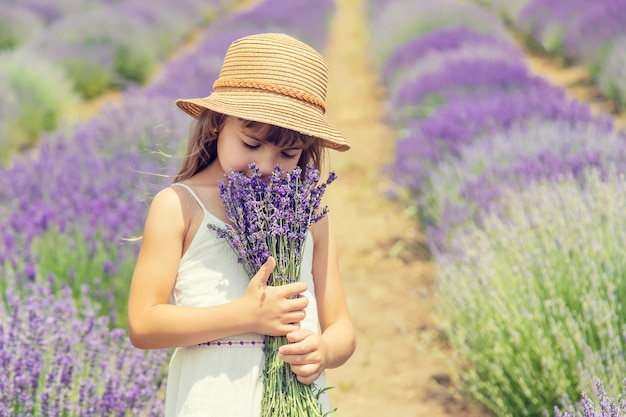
580, 31
465, 120
464, 75
591, 38
434, 51
609, 406
404, 21
37, 95
125, 38
612, 77
273, 219
81, 223
526, 240
17, 25
120, 42
473, 181
59, 358
526, 295
508, 9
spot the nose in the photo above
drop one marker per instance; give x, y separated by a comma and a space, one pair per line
266, 163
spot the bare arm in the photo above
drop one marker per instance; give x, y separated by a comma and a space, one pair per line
154, 323
334, 315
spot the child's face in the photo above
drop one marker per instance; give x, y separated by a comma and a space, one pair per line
238, 146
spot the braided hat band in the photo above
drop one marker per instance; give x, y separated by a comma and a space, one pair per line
287, 91
272, 78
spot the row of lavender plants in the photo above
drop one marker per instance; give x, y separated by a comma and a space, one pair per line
54, 55
70, 215
520, 189
591, 33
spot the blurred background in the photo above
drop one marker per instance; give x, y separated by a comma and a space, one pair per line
479, 214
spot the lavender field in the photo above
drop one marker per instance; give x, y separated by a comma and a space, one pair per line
72, 207
520, 189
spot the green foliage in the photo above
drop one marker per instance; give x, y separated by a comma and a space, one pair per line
134, 64
35, 95
536, 295
17, 25
72, 259
90, 79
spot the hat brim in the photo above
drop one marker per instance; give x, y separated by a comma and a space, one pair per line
271, 108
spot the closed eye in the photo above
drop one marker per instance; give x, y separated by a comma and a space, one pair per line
249, 146
289, 156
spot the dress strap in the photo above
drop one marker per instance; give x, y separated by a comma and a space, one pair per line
194, 195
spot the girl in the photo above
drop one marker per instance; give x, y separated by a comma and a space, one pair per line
189, 292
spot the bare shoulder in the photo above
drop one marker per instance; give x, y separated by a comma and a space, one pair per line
168, 209
321, 230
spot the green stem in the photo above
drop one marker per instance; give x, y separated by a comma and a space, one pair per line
283, 394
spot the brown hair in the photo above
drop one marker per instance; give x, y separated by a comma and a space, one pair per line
202, 146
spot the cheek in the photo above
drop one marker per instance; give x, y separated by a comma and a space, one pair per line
231, 158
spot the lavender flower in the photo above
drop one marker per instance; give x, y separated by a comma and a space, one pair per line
397, 22
609, 407
464, 120
272, 218
437, 42
512, 159
58, 358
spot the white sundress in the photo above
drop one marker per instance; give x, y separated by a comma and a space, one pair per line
222, 377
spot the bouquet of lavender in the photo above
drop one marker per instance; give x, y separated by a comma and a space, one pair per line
271, 218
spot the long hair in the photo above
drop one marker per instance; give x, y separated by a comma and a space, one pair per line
202, 146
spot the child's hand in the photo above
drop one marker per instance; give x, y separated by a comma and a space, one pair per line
275, 311
306, 354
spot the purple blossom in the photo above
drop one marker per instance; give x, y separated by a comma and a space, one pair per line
437, 41
272, 217
440, 41
608, 407
464, 120
50, 353
398, 22
590, 38
466, 78
469, 186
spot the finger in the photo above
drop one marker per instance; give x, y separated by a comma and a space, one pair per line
295, 316
296, 304
308, 380
301, 347
293, 290
306, 374
298, 335
265, 271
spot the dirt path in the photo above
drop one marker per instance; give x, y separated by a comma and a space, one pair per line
396, 370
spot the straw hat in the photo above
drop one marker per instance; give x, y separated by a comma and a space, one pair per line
272, 78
